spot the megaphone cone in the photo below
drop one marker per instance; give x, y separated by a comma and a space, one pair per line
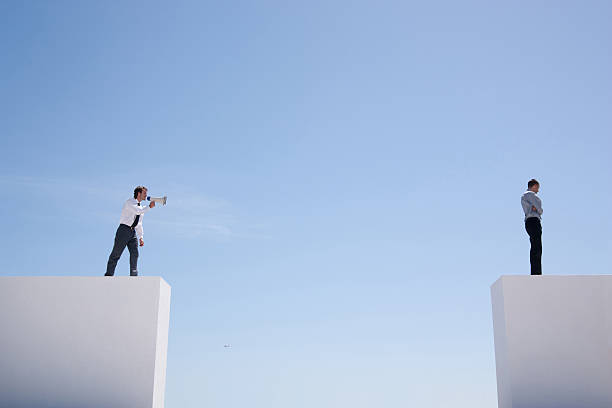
161, 200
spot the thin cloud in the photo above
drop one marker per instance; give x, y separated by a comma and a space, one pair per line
187, 214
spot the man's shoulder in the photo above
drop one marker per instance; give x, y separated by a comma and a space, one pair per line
129, 202
528, 193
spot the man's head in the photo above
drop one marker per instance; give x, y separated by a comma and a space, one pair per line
533, 185
140, 193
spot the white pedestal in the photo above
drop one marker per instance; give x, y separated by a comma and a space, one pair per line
553, 341
83, 342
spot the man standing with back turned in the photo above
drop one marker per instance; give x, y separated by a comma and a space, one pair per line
130, 225
532, 206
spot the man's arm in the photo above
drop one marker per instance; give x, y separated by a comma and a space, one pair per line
537, 205
531, 203
139, 232
526, 204
138, 210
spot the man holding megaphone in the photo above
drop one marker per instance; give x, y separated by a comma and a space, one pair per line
130, 227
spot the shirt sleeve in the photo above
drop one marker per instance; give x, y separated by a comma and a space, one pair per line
138, 210
526, 203
138, 229
538, 205
530, 200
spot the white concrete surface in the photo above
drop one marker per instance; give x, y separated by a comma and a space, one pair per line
83, 342
553, 341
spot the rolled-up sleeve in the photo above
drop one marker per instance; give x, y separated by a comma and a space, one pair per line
139, 230
137, 209
526, 204
530, 201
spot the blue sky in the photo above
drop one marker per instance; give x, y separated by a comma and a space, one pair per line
343, 178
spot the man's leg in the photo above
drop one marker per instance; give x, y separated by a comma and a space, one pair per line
133, 248
534, 229
537, 247
115, 253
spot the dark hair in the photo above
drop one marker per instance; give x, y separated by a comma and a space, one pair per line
138, 190
532, 183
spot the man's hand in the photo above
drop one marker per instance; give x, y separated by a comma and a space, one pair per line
151, 205
141, 242
533, 208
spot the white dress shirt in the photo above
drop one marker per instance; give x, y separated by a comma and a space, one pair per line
130, 210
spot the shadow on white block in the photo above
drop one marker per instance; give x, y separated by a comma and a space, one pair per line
86, 342
553, 341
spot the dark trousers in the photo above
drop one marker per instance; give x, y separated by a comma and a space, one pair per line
534, 229
125, 236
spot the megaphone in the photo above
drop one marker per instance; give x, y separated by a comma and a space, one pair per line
161, 200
